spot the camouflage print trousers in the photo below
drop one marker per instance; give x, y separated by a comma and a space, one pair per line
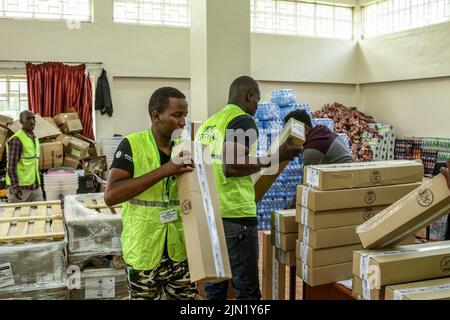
169, 278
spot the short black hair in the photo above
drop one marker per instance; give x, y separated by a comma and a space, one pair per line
299, 115
160, 98
24, 114
242, 85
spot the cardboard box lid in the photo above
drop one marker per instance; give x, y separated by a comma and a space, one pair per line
318, 200
62, 118
324, 257
328, 238
316, 220
42, 130
73, 125
429, 289
284, 221
5, 120
363, 174
407, 216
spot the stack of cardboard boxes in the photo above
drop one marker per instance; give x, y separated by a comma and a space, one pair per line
273, 271
283, 236
386, 270
334, 200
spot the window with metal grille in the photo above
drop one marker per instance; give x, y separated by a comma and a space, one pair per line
13, 96
301, 18
396, 15
79, 10
175, 13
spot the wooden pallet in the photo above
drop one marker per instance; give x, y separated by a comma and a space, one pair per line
34, 221
98, 204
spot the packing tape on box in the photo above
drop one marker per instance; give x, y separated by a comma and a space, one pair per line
207, 204
277, 239
305, 235
312, 177
398, 294
305, 194
304, 216
282, 256
298, 129
304, 272
277, 221
274, 276
303, 252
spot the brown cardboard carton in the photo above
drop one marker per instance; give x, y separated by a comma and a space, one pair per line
72, 126
317, 200
328, 238
52, 155
438, 289
3, 138
70, 162
324, 257
316, 220
287, 258
411, 213
43, 129
76, 148
357, 292
403, 264
324, 275
203, 229
263, 180
273, 272
363, 174
283, 241
5, 120
62, 118
94, 165
93, 146
284, 221
50, 120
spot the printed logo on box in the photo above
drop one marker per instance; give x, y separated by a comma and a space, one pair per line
368, 213
425, 198
186, 207
445, 264
370, 197
375, 177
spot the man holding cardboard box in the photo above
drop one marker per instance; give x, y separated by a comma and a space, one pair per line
234, 163
22, 154
143, 176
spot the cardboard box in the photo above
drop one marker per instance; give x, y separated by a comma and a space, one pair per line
50, 120
357, 291
92, 149
317, 200
324, 257
283, 241
328, 238
263, 180
363, 174
62, 118
287, 258
316, 220
70, 162
94, 165
324, 275
72, 126
413, 212
3, 138
43, 129
5, 120
403, 264
76, 148
52, 155
273, 272
203, 229
284, 221
438, 289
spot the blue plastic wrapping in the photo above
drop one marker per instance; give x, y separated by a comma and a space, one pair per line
283, 97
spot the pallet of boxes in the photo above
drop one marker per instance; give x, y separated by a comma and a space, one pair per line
94, 248
334, 200
279, 243
32, 252
385, 269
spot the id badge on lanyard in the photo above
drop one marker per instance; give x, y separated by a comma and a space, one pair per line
171, 215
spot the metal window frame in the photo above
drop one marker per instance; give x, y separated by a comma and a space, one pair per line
8, 79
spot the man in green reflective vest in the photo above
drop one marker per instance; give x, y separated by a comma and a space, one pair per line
22, 153
143, 175
232, 134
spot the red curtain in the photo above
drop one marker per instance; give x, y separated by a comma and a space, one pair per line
54, 87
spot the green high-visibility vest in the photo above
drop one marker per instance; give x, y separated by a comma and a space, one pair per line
143, 235
28, 167
236, 194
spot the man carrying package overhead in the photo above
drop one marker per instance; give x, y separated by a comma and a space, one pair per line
232, 135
